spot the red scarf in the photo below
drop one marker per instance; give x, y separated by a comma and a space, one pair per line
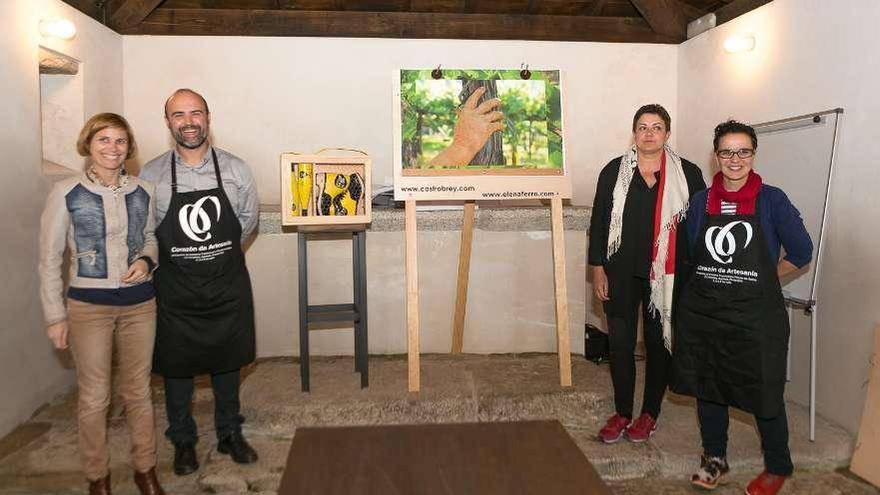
670, 256
745, 198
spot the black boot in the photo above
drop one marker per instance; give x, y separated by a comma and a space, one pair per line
237, 447
185, 460
100, 487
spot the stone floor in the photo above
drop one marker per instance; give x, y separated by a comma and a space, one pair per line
40, 456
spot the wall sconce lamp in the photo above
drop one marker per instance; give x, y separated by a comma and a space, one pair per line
55, 27
737, 44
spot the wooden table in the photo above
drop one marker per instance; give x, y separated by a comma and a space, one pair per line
529, 457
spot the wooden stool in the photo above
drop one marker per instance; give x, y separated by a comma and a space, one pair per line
355, 312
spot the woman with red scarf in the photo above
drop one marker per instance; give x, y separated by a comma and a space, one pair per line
640, 199
731, 326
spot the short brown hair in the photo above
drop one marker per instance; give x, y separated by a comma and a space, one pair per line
98, 123
655, 109
186, 90
733, 127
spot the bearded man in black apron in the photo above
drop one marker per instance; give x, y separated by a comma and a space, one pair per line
731, 327
206, 206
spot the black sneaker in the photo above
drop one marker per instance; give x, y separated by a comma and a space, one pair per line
185, 460
237, 447
711, 474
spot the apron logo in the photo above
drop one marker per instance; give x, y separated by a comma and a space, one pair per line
721, 243
194, 220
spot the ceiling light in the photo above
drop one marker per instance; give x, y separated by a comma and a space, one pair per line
737, 44
57, 28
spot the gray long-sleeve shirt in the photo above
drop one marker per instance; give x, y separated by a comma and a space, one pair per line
238, 182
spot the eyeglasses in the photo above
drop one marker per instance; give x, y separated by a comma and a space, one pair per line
742, 153
656, 129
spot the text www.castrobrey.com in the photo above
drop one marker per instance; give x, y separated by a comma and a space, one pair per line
489, 195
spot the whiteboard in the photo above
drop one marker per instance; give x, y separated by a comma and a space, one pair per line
797, 156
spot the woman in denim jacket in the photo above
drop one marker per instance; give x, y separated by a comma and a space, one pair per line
104, 219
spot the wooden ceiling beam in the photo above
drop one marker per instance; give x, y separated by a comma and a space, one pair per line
225, 22
735, 9
130, 13
690, 12
89, 8
225, 4
437, 6
664, 16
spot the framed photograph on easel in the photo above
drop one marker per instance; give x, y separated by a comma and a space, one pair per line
479, 134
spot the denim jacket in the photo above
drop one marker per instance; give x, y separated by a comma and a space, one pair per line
102, 230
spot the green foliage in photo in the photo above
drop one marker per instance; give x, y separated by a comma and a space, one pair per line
532, 116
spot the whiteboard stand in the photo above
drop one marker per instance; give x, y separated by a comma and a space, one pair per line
813, 310
810, 308
790, 324
807, 297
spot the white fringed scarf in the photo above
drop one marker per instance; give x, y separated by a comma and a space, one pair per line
673, 208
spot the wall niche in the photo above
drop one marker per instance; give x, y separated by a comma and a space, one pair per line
61, 111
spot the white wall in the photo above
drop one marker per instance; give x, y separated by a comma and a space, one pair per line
810, 55
510, 304
30, 372
269, 95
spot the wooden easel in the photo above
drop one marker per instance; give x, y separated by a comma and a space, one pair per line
467, 235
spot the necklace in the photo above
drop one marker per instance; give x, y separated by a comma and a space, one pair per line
94, 177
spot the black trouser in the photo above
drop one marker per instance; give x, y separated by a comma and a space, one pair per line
714, 420
178, 405
622, 345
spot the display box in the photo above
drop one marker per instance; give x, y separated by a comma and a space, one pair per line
324, 189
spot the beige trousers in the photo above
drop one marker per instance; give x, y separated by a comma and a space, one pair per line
95, 330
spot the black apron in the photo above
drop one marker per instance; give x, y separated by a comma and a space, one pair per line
205, 316
731, 326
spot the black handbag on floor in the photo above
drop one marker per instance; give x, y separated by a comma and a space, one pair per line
595, 344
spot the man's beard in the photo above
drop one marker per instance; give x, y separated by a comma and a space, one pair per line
181, 140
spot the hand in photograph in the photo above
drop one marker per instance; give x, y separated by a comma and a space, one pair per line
475, 125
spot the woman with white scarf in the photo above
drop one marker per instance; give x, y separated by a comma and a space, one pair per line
641, 200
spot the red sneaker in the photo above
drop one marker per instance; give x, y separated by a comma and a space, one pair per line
614, 428
642, 428
766, 484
